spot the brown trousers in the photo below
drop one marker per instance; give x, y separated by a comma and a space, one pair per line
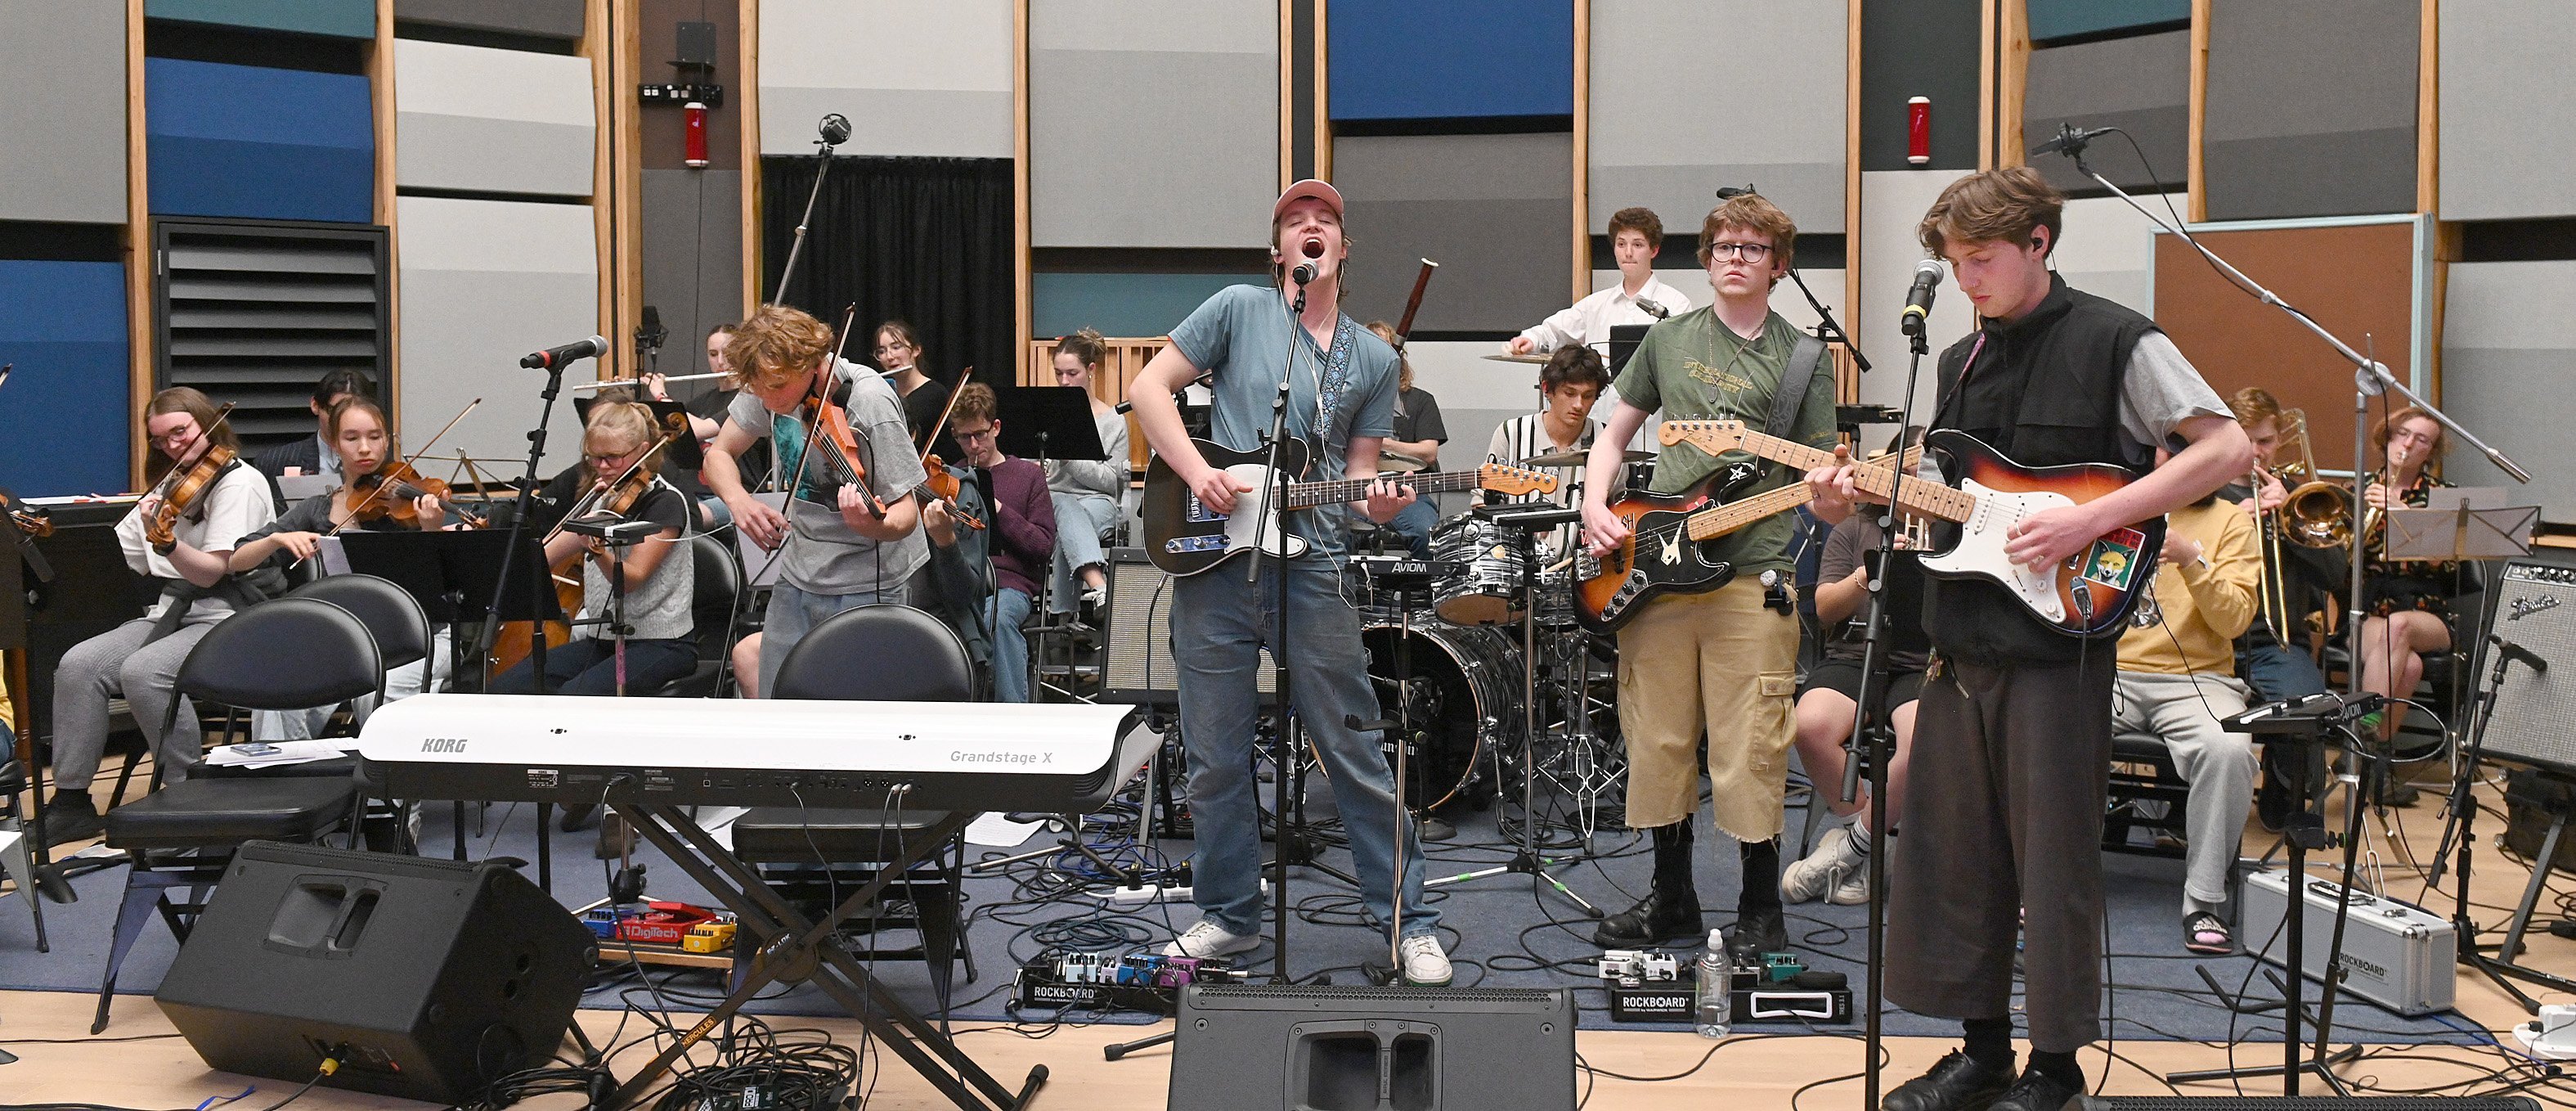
2003, 829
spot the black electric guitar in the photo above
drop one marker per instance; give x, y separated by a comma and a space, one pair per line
2091, 593
1663, 551
1184, 536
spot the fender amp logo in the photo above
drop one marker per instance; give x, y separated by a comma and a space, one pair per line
443, 744
2525, 607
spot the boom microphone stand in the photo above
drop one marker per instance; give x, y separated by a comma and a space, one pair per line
834, 130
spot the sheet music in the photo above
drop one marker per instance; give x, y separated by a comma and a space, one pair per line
759, 564
334, 556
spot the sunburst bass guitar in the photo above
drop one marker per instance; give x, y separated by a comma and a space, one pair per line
2090, 593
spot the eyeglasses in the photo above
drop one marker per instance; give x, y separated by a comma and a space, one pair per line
985, 433
1749, 252
883, 348
595, 457
179, 438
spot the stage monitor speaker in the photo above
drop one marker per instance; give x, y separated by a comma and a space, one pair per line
2304, 1103
1138, 668
1374, 1049
2534, 607
426, 978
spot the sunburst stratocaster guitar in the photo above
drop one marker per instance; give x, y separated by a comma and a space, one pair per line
1184, 537
2091, 593
1663, 553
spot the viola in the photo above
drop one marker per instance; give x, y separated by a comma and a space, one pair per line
392, 491
945, 485
828, 434
182, 487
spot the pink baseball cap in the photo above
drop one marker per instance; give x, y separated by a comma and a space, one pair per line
1310, 187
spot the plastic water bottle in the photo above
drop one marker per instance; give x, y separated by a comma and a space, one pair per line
1713, 997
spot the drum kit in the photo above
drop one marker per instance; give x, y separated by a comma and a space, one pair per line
1478, 647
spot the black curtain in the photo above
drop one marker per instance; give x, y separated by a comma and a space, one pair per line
927, 240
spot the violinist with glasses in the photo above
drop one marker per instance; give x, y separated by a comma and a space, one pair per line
381, 494
204, 500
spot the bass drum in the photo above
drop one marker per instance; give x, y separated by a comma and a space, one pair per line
1463, 700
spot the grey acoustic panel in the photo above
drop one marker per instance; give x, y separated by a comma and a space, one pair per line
483, 283
552, 19
2507, 344
2105, 248
1668, 127
1892, 203
63, 124
2141, 85
1120, 156
914, 79
492, 121
2508, 132
692, 258
2311, 108
255, 313
1495, 211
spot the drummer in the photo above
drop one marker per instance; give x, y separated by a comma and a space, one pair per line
1568, 385
1635, 235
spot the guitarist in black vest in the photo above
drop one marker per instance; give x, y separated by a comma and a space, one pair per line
1341, 388
1721, 663
2012, 740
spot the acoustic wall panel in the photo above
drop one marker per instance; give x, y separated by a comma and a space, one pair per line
483, 283
913, 78
344, 19
1447, 59
2311, 108
2105, 248
63, 124
2508, 135
63, 324
553, 19
1667, 127
2141, 85
692, 258
1925, 48
1491, 209
1892, 203
2507, 344
1152, 124
2065, 19
1123, 304
492, 121
251, 141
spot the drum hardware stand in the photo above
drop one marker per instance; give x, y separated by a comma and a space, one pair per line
1402, 728
1525, 857
2501, 967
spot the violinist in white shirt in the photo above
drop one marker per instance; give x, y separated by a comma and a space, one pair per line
1635, 235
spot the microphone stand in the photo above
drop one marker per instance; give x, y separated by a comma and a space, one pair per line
1827, 328
1287, 762
796, 248
541, 581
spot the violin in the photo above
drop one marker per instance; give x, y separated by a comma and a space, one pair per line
33, 522
828, 433
945, 486
182, 487
393, 491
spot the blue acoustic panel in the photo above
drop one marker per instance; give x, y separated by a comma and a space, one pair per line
2311, 108
1450, 59
277, 144
1667, 127
2066, 19
1121, 304
63, 324
63, 127
2508, 129
343, 19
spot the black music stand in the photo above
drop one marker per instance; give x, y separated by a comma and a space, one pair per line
1624, 339
1040, 423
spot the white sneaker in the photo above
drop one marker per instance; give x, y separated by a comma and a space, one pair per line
1854, 889
1424, 964
1835, 858
1207, 939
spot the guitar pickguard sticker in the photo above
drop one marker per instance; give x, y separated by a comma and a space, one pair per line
2113, 559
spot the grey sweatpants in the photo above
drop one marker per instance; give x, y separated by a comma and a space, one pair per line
2183, 711
118, 662
2003, 829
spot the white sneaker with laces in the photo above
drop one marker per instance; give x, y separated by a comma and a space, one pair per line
1207, 939
1854, 889
1823, 871
1425, 965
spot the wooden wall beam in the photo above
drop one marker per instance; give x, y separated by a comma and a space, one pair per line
1287, 92
1323, 96
380, 85
626, 114
2013, 82
1988, 58
746, 94
598, 44
1023, 299
1582, 149
2197, 200
139, 330
1851, 169
2428, 113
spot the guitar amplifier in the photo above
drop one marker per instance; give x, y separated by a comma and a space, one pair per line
1137, 668
2534, 606
2394, 954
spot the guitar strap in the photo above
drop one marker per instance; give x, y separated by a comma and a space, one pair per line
1795, 377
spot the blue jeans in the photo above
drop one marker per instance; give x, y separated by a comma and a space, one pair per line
1219, 623
589, 667
2277, 674
1079, 521
1415, 524
793, 612
1010, 607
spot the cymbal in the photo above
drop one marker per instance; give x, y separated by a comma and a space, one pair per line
1508, 358
1578, 458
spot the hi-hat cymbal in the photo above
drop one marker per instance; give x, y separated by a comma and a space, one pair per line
1577, 458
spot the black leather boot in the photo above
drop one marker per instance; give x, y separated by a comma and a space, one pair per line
1957, 1083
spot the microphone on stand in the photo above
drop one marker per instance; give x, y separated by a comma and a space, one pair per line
1653, 309
2070, 140
2526, 657
554, 357
1918, 299
1305, 271
834, 128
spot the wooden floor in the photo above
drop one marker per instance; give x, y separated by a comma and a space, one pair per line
134, 1069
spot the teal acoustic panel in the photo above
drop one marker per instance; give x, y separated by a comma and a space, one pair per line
1121, 304
2067, 19
345, 19
63, 325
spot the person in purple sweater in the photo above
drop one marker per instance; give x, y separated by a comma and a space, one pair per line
1019, 532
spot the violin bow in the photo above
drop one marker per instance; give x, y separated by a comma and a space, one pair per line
945, 411
821, 390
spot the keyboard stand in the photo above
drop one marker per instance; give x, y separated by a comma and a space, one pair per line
785, 943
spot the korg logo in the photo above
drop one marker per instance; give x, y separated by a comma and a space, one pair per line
443, 744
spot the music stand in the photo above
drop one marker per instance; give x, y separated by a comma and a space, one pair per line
2452, 534
1624, 339
1049, 422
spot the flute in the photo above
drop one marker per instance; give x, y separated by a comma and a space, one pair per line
601, 385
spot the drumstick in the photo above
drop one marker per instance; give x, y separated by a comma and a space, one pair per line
1404, 326
1560, 565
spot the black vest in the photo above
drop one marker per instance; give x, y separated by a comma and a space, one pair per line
2045, 391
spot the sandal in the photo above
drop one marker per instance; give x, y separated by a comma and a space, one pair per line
2203, 932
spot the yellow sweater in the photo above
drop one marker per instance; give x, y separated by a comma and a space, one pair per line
2206, 607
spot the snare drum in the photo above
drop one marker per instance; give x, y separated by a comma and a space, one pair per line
1488, 591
